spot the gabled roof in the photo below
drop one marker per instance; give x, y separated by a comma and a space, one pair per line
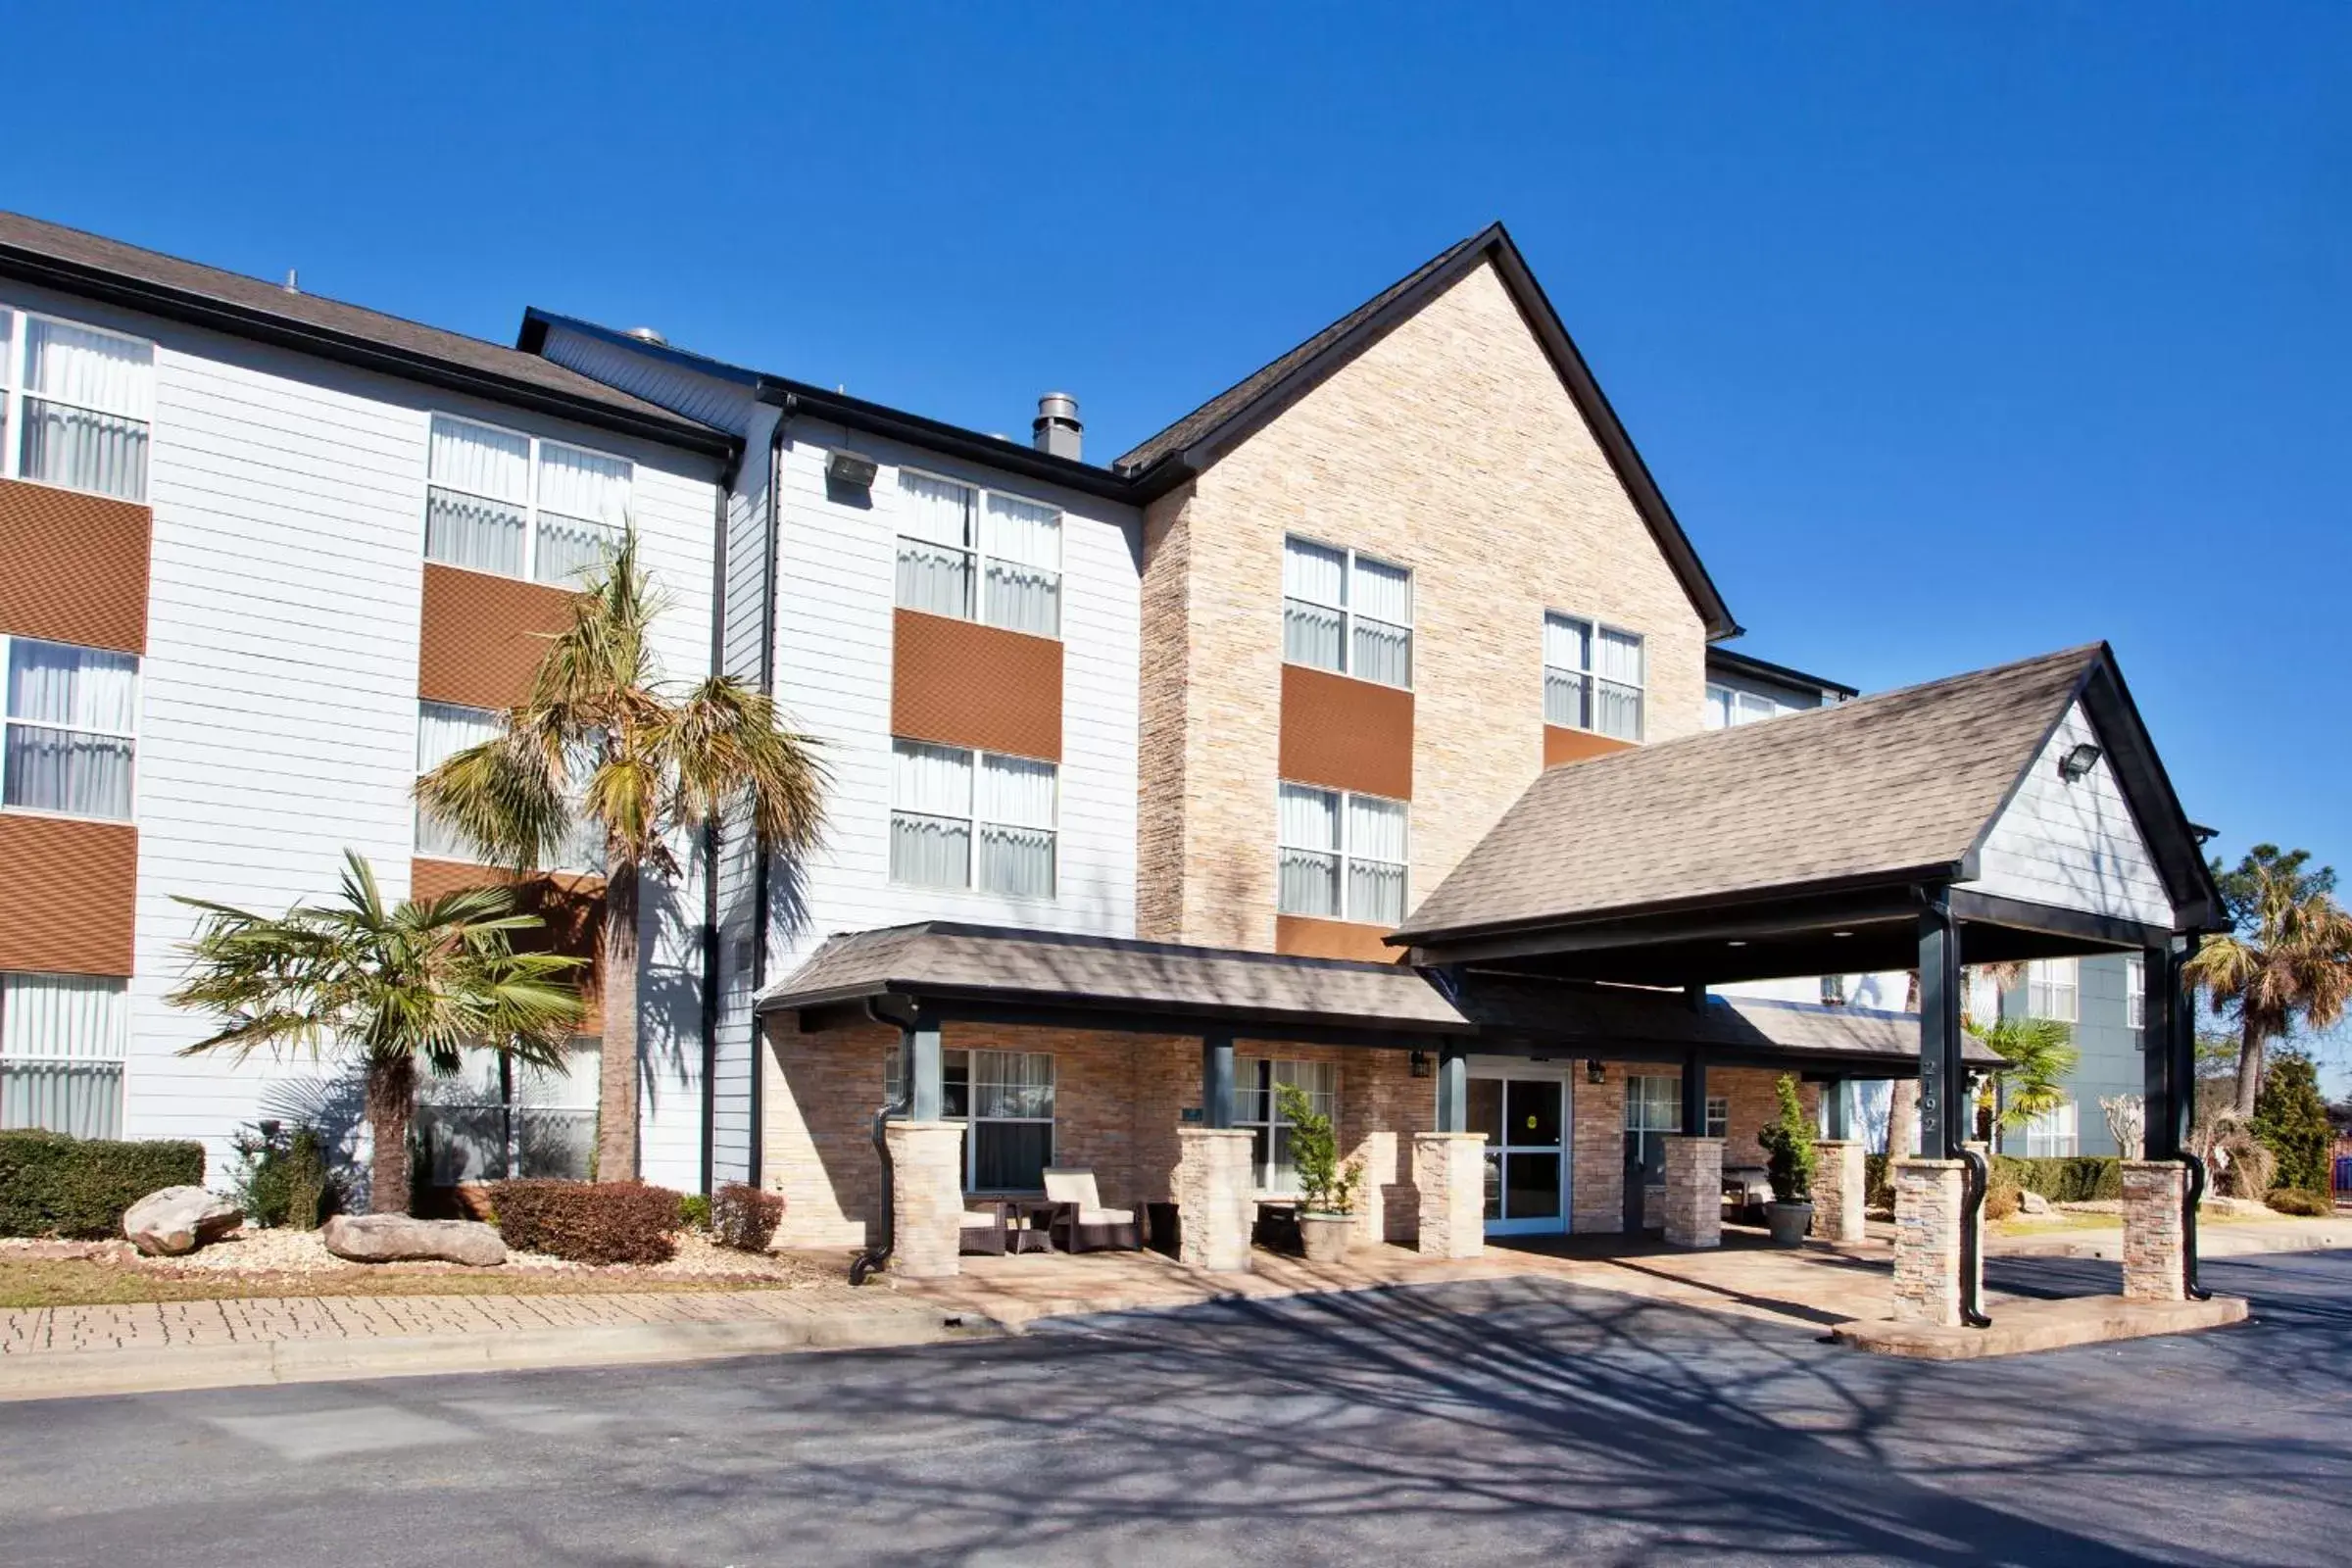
1193, 442
1897, 788
1734, 662
94, 267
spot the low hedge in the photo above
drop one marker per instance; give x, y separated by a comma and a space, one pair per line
2297, 1201
588, 1222
53, 1185
745, 1217
2066, 1178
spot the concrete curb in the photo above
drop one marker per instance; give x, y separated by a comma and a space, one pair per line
62, 1374
2019, 1327
2215, 1242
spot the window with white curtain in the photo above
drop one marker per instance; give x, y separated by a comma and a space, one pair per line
68, 729
501, 1118
966, 819
444, 729
2053, 989
500, 500
1727, 709
978, 555
1006, 1100
63, 1042
1340, 855
1256, 1108
1592, 676
77, 405
2053, 1133
2136, 1000
1347, 612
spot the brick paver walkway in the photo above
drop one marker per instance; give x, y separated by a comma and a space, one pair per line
170, 1324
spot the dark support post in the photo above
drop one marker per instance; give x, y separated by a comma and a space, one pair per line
1695, 1095
1943, 1073
1216, 1080
1837, 1096
2169, 1079
1454, 1089
924, 1065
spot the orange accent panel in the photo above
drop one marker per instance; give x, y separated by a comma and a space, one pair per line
1304, 937
1562, 745
573, 907
68, 891
960, 683
74, 568
482, 636
1346, 734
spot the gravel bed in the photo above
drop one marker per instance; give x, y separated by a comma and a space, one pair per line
284, 1252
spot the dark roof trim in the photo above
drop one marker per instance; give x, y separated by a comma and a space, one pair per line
1164, 471
351, 348
857, 413
1895, 880
1739, 664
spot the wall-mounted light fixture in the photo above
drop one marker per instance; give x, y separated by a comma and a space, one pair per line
1423, 1067
2078, 762
1595, 1072
851, 469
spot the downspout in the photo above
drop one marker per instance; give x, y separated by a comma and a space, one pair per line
770, 570
877, 1253
2188, 1223
710, 834
1976, 1175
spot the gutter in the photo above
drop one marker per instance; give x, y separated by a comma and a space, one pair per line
876, 1255
762, 860
710, 839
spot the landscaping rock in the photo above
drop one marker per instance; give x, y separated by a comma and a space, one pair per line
2032, 1204
398, 1239
180, 1219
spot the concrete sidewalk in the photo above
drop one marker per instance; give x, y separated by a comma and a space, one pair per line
52, 1351
2216, 1238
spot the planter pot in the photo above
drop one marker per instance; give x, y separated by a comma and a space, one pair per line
1789, 1221
1324, 1238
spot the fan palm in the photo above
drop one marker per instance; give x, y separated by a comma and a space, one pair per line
2041, 1055
401, 983
2287, 957
602, 742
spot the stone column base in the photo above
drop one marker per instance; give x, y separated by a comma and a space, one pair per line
1214, 1205
1377, 1153
1839, 1190
1694, 1190
2155, 1242
1451, 1171
926, 1197
1927, 1195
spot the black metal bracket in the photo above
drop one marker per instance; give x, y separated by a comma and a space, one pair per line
1976, 1175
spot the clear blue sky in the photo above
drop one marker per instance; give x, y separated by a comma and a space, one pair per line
1954, 334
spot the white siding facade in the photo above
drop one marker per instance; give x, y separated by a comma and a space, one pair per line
2073, 845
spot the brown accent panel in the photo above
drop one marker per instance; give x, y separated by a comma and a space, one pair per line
1563, 744
573, 907
960, 683
482, 636
68, 891
74, 568
1304, 937
1346, 734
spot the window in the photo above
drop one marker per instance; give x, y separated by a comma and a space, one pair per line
2052, 1133
1348, 613
444, 729
2052, 988
1256, 1108
62, 1039
75, 406
2136, 1000
1832, 989
502, 501
1719, 1115
958, 539
1006, 1100
1341, 856
1727, 709
1593, 677
68, 729
499, 1118
1654, 1109
936, 817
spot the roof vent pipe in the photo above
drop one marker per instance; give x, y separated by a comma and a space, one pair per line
645, 335
1057, 430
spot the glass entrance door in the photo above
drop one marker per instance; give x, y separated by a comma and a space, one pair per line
1526, 1123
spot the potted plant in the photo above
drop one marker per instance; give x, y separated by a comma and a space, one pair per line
1789, 1156
1326, 1188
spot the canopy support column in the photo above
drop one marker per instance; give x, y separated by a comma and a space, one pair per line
1940, 1197
2161, 1190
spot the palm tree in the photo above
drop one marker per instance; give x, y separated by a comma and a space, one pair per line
2287, 955
1902, 1098
602, 741
420, 981
2041, 1053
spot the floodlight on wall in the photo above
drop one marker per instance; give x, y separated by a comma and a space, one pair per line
2078, 762
1595, 1072
851, 471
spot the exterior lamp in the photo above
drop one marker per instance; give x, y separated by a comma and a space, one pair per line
1595, 1072
2078, 762
852, 471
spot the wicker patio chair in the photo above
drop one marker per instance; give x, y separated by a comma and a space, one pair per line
1080, 1222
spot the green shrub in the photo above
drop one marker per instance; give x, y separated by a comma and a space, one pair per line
2290, 1119
1789, 1151
283, 1179
2300, 1201
52, 1185
1878, 1181
745, 1217
2065, 1178
588, 1222
694, 1211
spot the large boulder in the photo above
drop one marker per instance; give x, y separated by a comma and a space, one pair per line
398, 1239
180, 1219
2033, 1203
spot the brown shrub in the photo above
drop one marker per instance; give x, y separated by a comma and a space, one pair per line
2295, 1200
2002, 1198
588, 1222
745, 1217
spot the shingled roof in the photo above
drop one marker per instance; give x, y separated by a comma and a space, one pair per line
1897, 786
91, 264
